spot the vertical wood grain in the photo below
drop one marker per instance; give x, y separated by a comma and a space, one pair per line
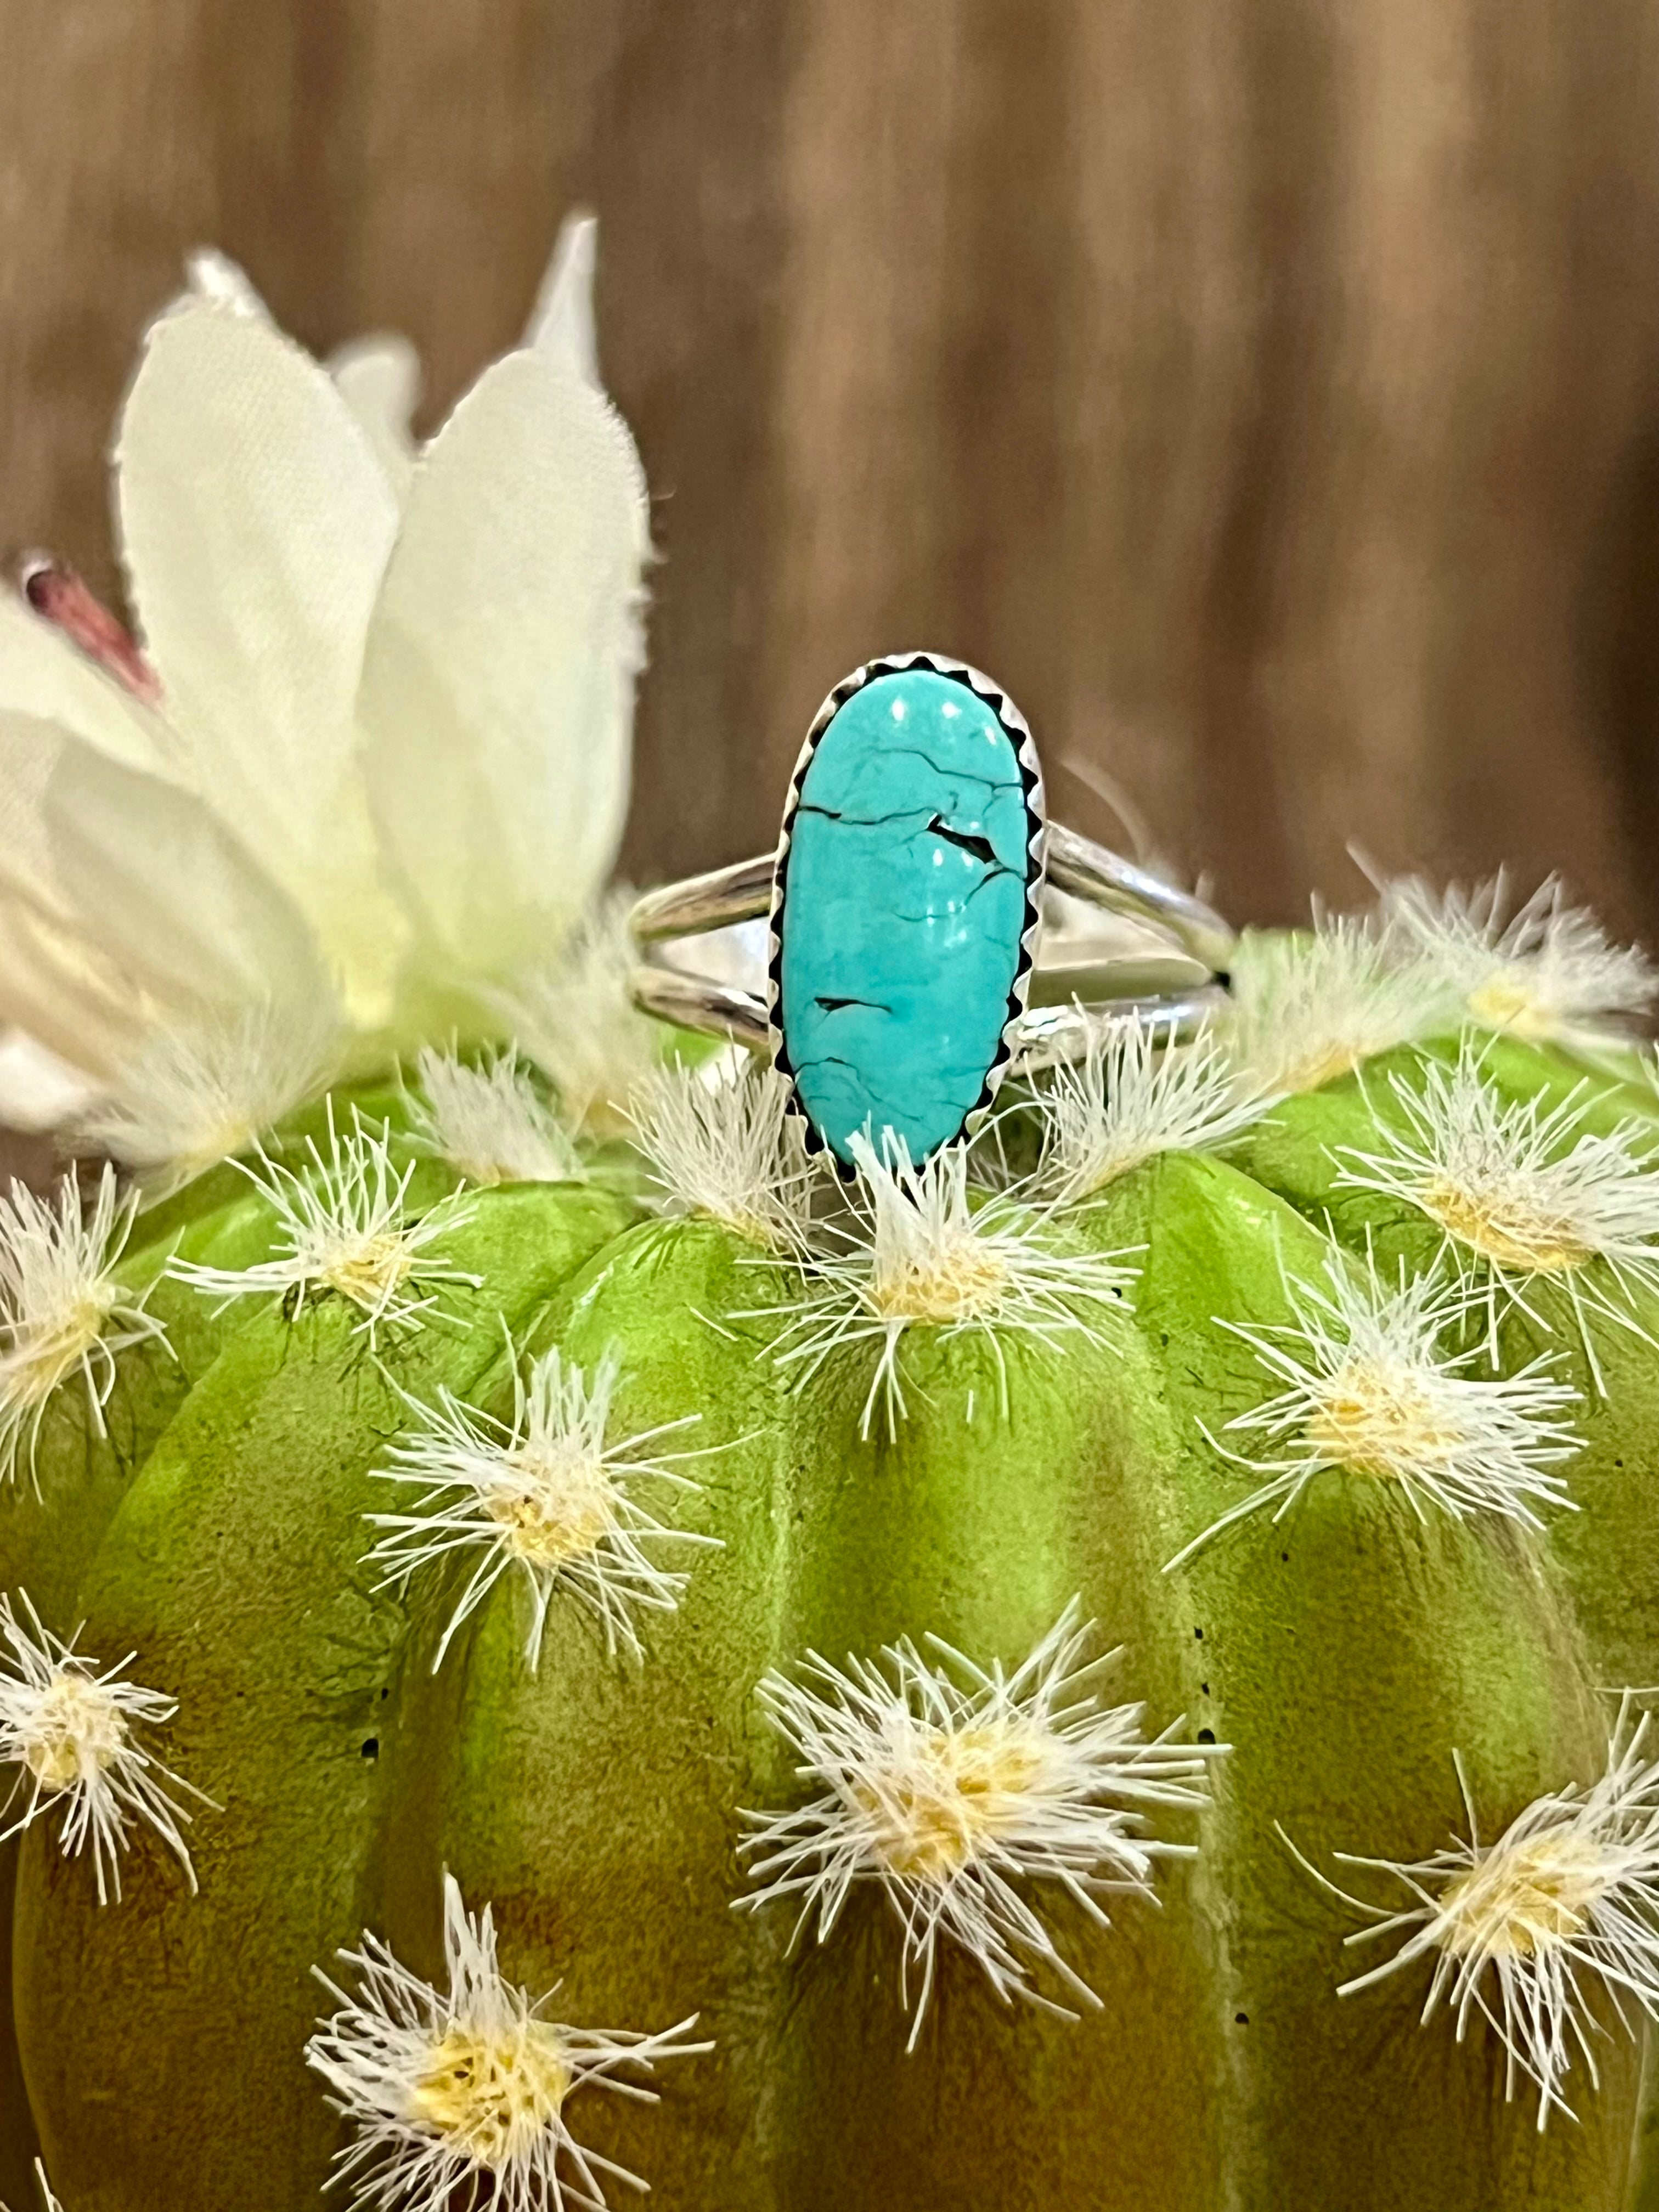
1268, 393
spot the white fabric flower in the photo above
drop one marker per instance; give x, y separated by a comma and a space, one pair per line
384, 762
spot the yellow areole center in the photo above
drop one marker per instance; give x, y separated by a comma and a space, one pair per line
1515, 1226
1506, 1000
77, 1726
41, 1355
562, 1507
1518, 1902
370, 1272
959, 1278
1378, 1418
953, 1790
493, 2094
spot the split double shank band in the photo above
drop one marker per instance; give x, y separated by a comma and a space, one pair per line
911, 960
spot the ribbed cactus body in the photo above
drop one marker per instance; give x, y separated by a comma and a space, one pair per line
1614, 1478
60, 1503
1337, 1660
1346, 1652
1598, 1554
235, 1566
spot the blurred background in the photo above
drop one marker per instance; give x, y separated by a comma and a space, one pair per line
1266, 392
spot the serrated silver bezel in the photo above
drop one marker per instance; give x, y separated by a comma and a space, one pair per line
1018, 732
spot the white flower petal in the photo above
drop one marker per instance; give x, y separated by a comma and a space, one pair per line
380, 379
214, 276
71, 973
61, 977
498, 683
38, 1091
172, 888
128, 885
562, 324
42, 675
255, 524
30, 747
71, 999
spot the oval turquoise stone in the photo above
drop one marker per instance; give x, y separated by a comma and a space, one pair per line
903, 905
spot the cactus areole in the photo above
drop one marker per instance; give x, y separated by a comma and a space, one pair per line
1103, 1667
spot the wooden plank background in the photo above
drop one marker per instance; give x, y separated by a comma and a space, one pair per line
1265, 391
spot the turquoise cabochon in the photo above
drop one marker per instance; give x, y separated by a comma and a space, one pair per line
904, 903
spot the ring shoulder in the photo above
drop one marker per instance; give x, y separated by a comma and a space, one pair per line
1088, 871
699, 1003
741, 893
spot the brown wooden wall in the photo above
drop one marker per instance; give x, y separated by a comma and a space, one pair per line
1265, 391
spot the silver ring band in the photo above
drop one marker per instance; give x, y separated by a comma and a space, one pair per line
1077, 985
1104, 878
743, 892
1045, 1036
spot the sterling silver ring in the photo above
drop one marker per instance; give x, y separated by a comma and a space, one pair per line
924, 936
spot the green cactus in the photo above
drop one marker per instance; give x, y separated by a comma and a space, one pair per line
938, 1683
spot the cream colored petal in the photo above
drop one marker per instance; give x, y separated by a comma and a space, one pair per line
214, 276
498, 686
30, 748
380, 379
562, 322
63, 978
43, 675
73, 998
127, 900
38, 1091
172, 888
255, 523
